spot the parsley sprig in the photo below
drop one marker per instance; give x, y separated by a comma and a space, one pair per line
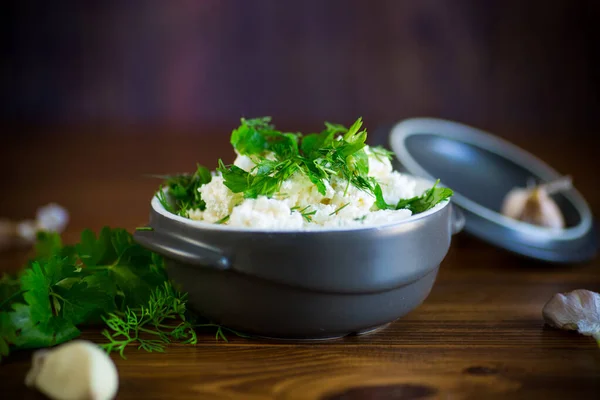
337, 151
106, 279
182, 189
417, 204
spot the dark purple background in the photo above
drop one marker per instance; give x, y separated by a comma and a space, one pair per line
508, 65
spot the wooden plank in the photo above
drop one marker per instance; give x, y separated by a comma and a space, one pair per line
479, 334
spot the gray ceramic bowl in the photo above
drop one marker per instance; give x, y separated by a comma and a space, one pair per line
312, 284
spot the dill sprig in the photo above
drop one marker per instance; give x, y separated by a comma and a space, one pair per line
340, 209
151, 327
306, 213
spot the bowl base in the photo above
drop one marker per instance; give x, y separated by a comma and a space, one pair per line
363, 332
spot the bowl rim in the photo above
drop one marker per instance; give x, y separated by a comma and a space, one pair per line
503, 148
158, 208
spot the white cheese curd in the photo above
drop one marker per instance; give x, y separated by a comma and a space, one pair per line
219, 201
379, 167
265, 213
298, 204
243, 162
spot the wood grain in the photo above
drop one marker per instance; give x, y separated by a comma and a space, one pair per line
478, 335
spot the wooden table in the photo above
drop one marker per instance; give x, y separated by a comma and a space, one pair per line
479, 335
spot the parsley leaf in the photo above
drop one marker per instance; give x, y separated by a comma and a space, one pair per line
8, 335
418, 204
37, 294
90, 296
380, 201
249, 138
96, 251
47, 244
235, 178
427, 200
183, 195
132, 268
31, 334
10, 291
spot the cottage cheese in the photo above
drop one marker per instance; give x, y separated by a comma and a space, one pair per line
281, 211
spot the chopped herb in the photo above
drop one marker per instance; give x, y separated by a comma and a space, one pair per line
336, 151
164, 201
183, 193
361, 219
223, 220
381, 153
417, 204
339, 209
306, 214
144, 228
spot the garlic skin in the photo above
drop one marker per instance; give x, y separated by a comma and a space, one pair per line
50, 218
535, 206
77, 370
577, 310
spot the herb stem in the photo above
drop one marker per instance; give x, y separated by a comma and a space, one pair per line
340, 209
142, 329
11, 297
58, 296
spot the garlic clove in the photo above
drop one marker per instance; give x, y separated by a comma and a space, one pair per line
77, 370
577, 310
52, 217
27, 230
514, 203
541, 210
534, 204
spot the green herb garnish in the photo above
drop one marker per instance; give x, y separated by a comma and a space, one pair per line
103, 279
150, 325
417, 204
340, 209
305, 212
336, 151
183, 194
223, 220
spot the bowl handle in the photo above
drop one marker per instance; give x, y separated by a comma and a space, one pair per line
182, 249
457, 220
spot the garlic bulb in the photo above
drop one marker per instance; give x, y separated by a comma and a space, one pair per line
534, 204
577, 310
50, 218
77, 370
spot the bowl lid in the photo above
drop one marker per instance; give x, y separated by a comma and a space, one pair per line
482, 169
